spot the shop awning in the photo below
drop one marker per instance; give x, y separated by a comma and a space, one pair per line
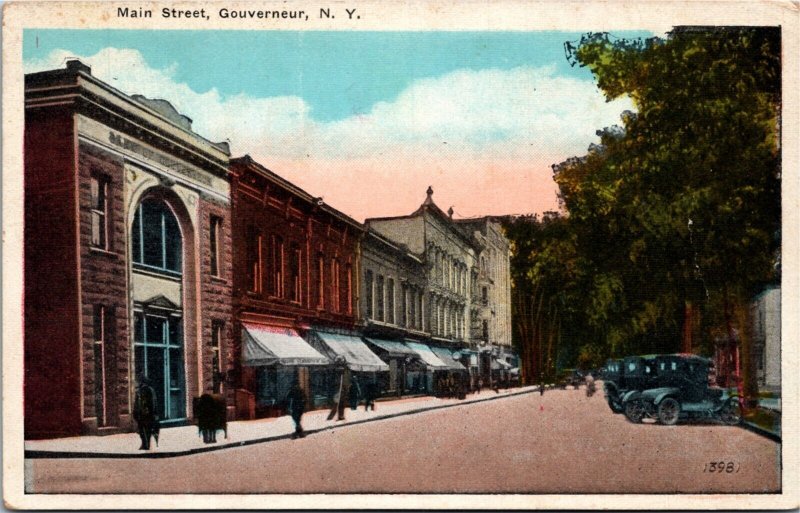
428, 357
272, 345
446, 356
358, 356
393, 348
500, 365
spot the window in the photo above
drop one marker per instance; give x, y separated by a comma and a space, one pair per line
320, 280
390, 301
348, 287
215, 236
277, 266
216, 355
99, 188
420, 306
336, 292
254, 260
412, 307
380, 299
485, 331
368, 294
294, 274
157, 243
103, 323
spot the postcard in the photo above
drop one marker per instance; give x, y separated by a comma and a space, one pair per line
400, 255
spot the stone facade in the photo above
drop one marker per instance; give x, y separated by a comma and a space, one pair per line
93, 158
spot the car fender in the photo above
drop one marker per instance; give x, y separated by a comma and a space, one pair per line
659, 394
630, 395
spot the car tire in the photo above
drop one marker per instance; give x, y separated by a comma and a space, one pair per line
634, 411
731, 413
614, 405
668, 411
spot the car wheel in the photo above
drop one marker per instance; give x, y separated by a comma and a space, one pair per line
668, 411
731, 413
614, 405
634, 411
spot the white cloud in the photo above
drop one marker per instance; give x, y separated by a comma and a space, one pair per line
523, 118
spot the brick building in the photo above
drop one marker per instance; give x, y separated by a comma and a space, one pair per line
127, 256
296, 281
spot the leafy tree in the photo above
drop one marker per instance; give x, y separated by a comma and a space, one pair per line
681, 206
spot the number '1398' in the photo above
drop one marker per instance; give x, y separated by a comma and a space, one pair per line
722, 467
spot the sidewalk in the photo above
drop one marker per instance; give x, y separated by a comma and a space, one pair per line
185, 440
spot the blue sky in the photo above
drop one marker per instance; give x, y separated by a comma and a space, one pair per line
490, 109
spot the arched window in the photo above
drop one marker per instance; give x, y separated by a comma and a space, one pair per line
156, 238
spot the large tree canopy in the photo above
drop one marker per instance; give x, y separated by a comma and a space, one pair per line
678, 209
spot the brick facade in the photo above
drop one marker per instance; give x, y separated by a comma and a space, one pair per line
104, 283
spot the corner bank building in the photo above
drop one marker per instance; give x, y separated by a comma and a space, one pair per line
127, 256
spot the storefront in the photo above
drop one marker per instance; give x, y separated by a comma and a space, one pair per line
400, 360
423, 380
364, 365
279, 356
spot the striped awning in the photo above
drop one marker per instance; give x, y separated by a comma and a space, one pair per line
355, 352
272, 345
392, 347
446, 356
427, 356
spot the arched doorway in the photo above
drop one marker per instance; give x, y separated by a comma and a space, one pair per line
157, 256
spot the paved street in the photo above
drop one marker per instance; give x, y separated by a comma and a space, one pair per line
562, 442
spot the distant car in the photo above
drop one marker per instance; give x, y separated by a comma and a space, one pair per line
681, 390
628, 375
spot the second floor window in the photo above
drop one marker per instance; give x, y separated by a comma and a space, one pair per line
156, 237
336, 292
368, 295
321, 280
379, 291
99, 188
390, 300
348, 288
277, 267
294, 274
254, 260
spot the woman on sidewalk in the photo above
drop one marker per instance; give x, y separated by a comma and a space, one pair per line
297, 406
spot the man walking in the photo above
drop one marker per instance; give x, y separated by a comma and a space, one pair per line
297, 406
145, 405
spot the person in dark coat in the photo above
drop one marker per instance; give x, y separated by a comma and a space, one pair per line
205, 411
296, 405
371, 394
145, 406
354, 393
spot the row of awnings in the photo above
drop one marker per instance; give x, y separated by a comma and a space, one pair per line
268, 345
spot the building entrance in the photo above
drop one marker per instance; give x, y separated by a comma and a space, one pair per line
158, 354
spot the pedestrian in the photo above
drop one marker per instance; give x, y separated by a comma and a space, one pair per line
354, 394
205, 411
145, 406
371, 393
297, 406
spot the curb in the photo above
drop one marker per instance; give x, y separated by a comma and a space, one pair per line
761, 431
37, 454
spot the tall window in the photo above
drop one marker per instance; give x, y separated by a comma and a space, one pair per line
390, 301
294, 274
485, 331
277, 266
255, 264
412, 316
99, 187
368, 294
156, 243
336, 291
103, 352
216, 355
379, 293
215, 233
404, 304
320, 280
348, 287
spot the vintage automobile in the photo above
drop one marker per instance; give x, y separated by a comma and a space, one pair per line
622, 377
681, 390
